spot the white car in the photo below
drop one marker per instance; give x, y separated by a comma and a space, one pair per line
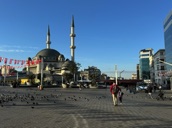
142, 87
101, 85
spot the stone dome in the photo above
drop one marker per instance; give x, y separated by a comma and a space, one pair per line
67, 64
48, 53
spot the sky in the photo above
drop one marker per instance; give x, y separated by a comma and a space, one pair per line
108, 32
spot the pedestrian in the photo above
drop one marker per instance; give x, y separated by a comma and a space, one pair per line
80, 86
160, 95
154, 87
114, 91
120, 95
150, 91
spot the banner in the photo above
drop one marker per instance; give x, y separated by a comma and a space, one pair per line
22, 63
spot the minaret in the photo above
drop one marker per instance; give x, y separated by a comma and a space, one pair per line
48, 42
72, 36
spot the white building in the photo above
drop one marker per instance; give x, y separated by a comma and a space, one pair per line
159, 68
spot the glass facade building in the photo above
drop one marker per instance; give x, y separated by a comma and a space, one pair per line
168, 40
144, 62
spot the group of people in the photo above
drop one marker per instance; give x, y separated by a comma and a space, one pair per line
160, 93
117, 93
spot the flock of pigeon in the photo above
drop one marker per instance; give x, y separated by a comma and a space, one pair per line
33, 98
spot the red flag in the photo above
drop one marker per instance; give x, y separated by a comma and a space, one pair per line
37, 61
10, 61
18, 61
15, 61
5, 60
32, 62
22, 62
1, 59
28, 62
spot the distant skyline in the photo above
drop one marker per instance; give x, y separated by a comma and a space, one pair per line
108, 32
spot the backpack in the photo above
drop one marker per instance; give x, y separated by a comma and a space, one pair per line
115, 89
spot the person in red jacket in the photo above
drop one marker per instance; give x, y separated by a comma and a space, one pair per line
114, 91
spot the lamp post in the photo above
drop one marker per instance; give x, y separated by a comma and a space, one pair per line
5, 73
120, 73
116, 74
42, 64
17, 77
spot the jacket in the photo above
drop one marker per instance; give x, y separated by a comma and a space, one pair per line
111, 88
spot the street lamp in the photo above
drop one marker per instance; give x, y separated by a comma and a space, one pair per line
120, 73
116, 74
42, 64
17, 77
5, 73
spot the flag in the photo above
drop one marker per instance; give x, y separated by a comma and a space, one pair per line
15, 61
10, 61
5, 60
1, 59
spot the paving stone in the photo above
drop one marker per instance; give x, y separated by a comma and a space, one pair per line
89, 108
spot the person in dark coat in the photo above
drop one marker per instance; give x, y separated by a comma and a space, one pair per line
150, 91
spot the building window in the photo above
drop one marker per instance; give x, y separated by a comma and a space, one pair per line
161, 53
157, 67
162, 68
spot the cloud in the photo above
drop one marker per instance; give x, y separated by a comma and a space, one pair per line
3, 50
17, 49
15, 46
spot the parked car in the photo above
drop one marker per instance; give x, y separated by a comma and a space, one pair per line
84, 83
141, 87
101, 85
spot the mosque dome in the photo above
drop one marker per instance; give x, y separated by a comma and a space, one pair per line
49, 54
67, 64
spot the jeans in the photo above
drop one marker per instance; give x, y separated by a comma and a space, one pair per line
115, 99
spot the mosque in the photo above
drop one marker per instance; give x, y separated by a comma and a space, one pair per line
53, 64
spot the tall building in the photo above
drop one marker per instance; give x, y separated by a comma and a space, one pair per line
168, 44
159, 68
137, 68
144, 62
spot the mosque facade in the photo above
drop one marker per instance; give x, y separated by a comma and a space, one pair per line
52, 63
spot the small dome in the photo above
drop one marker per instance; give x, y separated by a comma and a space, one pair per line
61, 58
67, 64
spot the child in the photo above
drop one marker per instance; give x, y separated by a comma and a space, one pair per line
120, 95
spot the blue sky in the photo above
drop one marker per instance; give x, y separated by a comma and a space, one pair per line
108, 32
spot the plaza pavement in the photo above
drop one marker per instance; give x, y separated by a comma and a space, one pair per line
89, 108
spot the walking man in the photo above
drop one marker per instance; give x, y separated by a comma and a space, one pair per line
150, 91
114, 91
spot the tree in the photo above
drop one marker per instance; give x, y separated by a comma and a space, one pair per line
24, 69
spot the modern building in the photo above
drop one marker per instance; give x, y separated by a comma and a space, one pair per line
91, 73
145, 59
168, 44
159, 68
